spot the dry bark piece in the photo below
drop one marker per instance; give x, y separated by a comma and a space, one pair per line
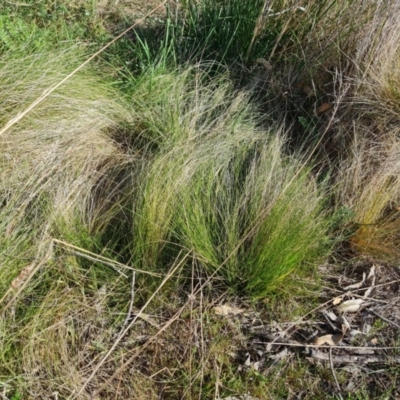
330, 314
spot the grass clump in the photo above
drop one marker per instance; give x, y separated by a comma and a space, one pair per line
368, 169
52, 160
222, 187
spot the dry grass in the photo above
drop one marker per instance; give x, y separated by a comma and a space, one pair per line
369, 170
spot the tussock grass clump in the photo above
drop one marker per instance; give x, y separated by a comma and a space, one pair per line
369, 170
51, 163
369, 186
222, 187
62, 145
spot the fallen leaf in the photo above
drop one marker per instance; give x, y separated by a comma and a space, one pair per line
337, 300
22, 277
323, 108
350, 305
226, 309
331, 340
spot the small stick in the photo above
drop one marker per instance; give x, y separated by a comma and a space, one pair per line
96, 259
104, 260
381, 284
327, 346
137, 352
333, 372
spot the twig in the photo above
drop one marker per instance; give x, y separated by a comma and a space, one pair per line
384, 319
381, 284
355, 360
368, 298
333, 372
102, 259
351, 293
327, 346
50, 90
97, 259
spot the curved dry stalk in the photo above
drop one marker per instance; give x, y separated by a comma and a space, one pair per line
79, 251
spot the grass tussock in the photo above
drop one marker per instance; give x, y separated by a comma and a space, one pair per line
368, 172
222, 187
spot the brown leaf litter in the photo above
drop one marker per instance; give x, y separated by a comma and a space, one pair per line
357, 326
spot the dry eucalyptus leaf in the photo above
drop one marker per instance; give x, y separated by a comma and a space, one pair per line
323, 108
350, 305
226, 309
331, 340
374, 341
337, 300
